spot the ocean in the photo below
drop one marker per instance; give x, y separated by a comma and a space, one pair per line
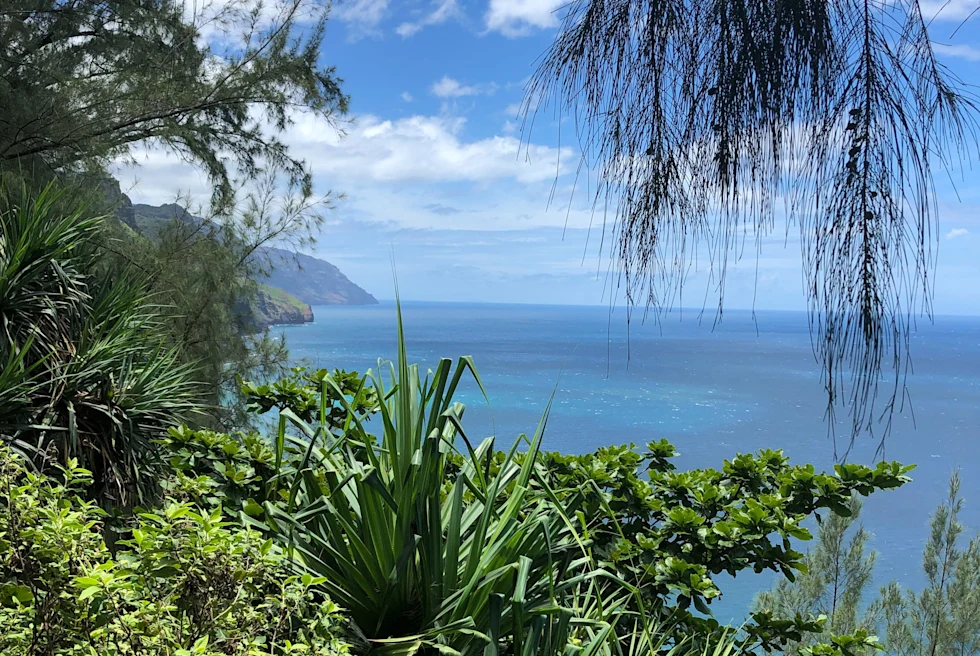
714, 390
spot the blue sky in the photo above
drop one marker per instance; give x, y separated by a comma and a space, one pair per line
435, 170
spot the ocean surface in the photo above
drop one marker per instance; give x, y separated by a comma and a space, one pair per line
747, 383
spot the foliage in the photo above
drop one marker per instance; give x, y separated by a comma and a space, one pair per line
90, 373
84, 82
833, 584
706, 120
425, 554
615, 537
217, 469
238, 471
303, 391
203, 271
670, 533
187, 582
944, 619
87, 82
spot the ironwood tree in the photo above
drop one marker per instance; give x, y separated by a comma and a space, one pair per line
707, 122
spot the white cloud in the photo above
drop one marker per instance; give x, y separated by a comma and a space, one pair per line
443, 11
513, 110
520, 17
956, 233
160, 177
960, 51
447, 87
421, 149
363, 15
406, 96
948, 9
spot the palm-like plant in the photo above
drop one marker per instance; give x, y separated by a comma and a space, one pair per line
431, 550
88, 374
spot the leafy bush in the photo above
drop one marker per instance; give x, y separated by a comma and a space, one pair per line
186, 583
432, 541
668, 533
89, 373
215, 468
426, 552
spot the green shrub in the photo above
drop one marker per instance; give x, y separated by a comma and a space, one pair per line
430, 540
218, 469
670, 534
88, 370
187, 583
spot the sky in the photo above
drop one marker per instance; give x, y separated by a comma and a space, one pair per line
439, 177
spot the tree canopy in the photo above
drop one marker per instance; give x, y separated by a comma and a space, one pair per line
707, 121
204, 270
83, 81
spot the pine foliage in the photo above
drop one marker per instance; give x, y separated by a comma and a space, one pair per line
706, 121
86, 81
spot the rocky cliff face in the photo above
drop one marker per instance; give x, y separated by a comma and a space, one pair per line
313, 280
274, 307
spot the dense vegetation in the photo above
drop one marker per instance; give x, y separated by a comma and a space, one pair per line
944, 618
142, 514
205, 272
86, 83
369, 519
430, 540
186, 582
89, 372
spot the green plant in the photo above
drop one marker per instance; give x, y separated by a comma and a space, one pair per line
47, 533
237, 470
944, 619
833, 584
203, 273
91, 374
186, 583
426, 552
668, 534
217, 469
417, 529
303, 392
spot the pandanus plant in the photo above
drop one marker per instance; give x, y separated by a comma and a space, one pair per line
429, 541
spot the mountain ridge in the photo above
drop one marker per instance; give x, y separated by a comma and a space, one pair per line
304, 278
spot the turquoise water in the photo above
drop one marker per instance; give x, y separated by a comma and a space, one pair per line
714, 391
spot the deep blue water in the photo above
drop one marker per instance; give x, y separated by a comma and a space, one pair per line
714, 391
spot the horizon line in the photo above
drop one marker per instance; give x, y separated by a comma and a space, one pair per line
674, 310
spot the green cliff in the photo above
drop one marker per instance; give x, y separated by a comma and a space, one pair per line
273, 306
